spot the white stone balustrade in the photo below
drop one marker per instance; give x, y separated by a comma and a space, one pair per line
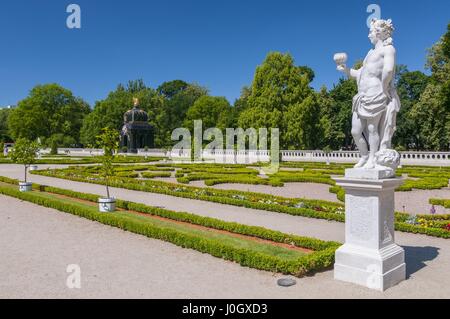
406, 158
249, 157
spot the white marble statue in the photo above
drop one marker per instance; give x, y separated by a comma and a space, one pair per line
377, 103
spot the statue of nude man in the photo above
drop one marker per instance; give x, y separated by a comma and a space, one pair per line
377, 103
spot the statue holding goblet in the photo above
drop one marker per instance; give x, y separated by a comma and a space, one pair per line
377, 103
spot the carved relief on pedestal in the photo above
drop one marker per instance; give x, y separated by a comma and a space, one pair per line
387, 236
361, 223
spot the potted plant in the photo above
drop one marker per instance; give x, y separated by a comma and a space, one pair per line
109, 142
24, 152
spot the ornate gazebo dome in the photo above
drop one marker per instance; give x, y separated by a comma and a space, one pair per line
136, 132
136, 114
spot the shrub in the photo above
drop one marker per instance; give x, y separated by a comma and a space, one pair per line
24, 152
440, 202
155, 174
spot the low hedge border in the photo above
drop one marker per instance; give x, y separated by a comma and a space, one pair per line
196, 193
155, 174
415, 229
315, 261
304, 212
233, 227
231, 197
339, 191
440, 202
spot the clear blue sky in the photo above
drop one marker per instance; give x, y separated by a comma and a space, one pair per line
216, 43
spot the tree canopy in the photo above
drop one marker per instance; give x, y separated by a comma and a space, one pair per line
211, 110
178, 97
280, 97
49, 109
4, 131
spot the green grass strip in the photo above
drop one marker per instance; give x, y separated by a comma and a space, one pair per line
217, 247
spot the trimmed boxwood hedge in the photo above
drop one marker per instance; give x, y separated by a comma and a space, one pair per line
155, 174
417, 229
196, 193
229, 197
440, 202
322, 258
233, 227
339, 191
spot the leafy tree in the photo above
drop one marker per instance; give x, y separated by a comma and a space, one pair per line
337, 114
178, 98
446, 43
278, 87
332, 137
303, 124
259, 117
410, 86
172, 88
108, 140
24, 152
308, 72
446, 85
241, 103
431, 118
136, 86
432, 113
213, 111
4, 132
49, 109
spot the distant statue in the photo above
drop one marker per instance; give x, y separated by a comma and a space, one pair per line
377, 103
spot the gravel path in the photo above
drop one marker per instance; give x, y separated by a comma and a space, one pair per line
37, 244
415, 202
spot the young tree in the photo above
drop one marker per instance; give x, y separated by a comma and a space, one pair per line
108, 140
24, 152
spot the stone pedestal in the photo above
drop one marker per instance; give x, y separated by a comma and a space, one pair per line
369, 256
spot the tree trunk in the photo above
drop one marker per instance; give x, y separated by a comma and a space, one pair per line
25, 173
107, 188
